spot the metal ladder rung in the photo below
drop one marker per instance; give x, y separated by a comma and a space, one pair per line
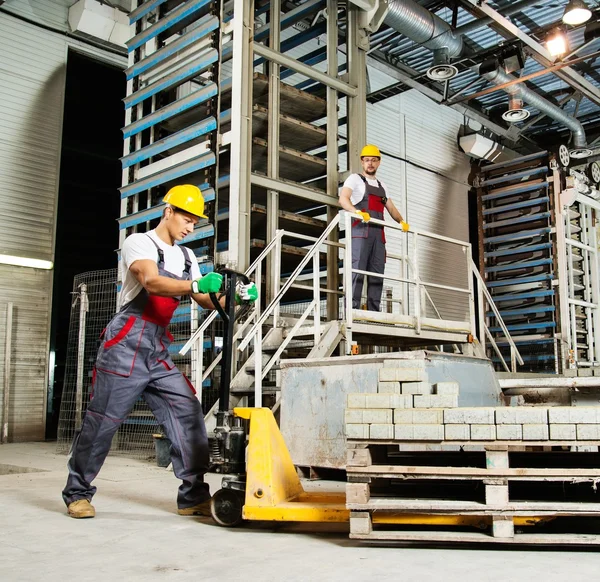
202, 30
513, 162
510, 313
171, 110
185, 135
184, 11
517, 281
521, 296
522, 326
513, 191
517, 235
144, 9
516, 205
516, 176
198, 163
520, 220
177, 77
518, 250
518, 265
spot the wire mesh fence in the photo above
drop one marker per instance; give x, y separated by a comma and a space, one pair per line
94, 304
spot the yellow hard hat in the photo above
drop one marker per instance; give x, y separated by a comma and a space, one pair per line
187, 198
370, 150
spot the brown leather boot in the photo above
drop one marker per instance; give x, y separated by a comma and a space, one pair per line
81, 509
200, 509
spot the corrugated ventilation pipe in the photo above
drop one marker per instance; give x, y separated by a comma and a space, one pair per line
424, 27
521, 92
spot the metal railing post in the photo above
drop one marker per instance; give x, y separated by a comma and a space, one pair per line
83, 309
348, 276
7, 371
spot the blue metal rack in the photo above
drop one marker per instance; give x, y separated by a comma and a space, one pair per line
517, 257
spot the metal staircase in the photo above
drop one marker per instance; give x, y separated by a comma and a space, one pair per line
517, 256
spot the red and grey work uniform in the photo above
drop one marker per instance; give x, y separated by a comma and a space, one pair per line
368, 246
134, 361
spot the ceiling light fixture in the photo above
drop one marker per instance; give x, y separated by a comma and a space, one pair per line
557, 43
516, 112
25, 262
576, 12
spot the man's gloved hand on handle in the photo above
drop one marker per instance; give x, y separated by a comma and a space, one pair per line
210, 283
364, 215
405, 226
247, 293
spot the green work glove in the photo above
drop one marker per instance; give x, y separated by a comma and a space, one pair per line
210, 283
246, 293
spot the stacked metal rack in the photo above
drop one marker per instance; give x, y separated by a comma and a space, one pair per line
518, 255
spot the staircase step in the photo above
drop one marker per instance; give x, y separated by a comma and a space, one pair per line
513, 191
516, 205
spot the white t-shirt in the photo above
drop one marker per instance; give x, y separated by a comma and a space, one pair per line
358, 187
138, 246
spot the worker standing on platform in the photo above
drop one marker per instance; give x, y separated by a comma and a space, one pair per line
134, 359
363, 194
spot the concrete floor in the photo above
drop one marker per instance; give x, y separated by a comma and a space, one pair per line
137, 535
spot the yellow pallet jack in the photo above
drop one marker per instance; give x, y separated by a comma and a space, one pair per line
260, 481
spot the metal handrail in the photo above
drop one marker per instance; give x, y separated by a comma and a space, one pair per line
275, 302
514, 352
211, 316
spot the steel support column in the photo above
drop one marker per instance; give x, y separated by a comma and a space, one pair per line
273, 144
241, 135
357, 45
332, 158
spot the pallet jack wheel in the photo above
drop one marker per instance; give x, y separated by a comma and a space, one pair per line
226, 507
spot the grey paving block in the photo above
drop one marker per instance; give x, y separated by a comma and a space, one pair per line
482, 432
536, 432
379, 400
357, 401
354, 415
563, 432
419, 432
401, 401
469, 416
377, 416
381, 431
509, 432
357, 431
415, 416
457, 432
573, 415
402, 375
588, 432
446, 388
416, 388
388, 387
522, 415
435, 401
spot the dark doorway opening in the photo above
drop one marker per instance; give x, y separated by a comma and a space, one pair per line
87, 232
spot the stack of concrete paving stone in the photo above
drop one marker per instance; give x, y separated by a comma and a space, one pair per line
405, 403
409, 408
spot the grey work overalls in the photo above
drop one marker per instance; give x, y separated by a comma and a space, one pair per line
368, 246
134, 361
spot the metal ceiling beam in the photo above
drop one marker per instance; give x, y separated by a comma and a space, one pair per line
540, 54
378, 62
541, 73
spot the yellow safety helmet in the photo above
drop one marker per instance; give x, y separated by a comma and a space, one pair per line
187, 198
370, 150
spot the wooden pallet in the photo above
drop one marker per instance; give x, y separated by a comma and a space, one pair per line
372, 491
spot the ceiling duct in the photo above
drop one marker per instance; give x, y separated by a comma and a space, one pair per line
521, 92
515, 112
422, 26
483, 148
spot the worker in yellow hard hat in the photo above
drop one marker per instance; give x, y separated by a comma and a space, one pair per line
366, 197
134, 360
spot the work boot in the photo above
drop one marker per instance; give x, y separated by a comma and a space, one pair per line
81, 509
200, 509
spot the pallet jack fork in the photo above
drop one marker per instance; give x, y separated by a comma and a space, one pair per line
260, 481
